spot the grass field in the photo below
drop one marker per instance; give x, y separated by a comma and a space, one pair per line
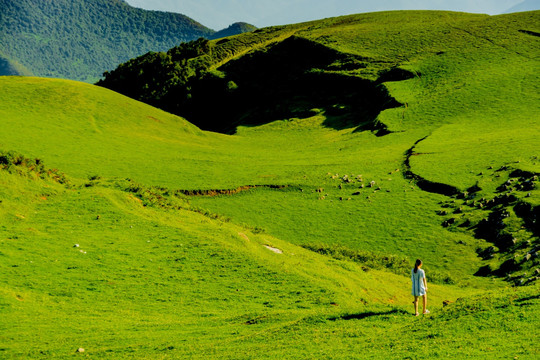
102, 246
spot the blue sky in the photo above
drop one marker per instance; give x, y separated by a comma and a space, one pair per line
218, 14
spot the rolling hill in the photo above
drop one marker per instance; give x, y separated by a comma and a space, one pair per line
128, 232
81, 39
278, 12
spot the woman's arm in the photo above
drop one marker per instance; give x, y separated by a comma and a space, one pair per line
425, 283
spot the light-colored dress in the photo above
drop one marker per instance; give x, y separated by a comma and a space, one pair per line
417, 279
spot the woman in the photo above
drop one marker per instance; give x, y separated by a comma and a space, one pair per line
419, 286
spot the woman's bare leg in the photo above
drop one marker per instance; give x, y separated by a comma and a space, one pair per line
425, 302
415, 302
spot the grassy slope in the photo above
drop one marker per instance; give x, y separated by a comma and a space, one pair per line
145, 278
124, 296
167, 155
151, 282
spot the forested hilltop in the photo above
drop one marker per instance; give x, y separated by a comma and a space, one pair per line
80, 39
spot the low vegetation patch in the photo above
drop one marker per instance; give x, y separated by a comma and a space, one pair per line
15, 163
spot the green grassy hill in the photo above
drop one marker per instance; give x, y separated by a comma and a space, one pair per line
234, 29
131, 233
82, 39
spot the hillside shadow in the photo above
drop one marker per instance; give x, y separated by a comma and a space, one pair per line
533, 297
296, 78
368, 314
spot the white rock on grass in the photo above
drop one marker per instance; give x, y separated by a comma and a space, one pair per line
273, 249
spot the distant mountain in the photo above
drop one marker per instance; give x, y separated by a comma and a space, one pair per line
80, 39
527, 5
218, 14
234, 29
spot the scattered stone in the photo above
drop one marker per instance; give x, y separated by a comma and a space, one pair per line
463, 195
76, 245
79, 350
273, 249
447, 223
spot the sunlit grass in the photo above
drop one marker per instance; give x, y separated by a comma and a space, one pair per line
114, 260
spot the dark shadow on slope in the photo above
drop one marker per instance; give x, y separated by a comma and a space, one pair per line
294, 79
528, 298
422, 183
528, 32
367, 314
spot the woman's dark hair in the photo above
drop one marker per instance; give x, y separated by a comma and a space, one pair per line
417, 264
